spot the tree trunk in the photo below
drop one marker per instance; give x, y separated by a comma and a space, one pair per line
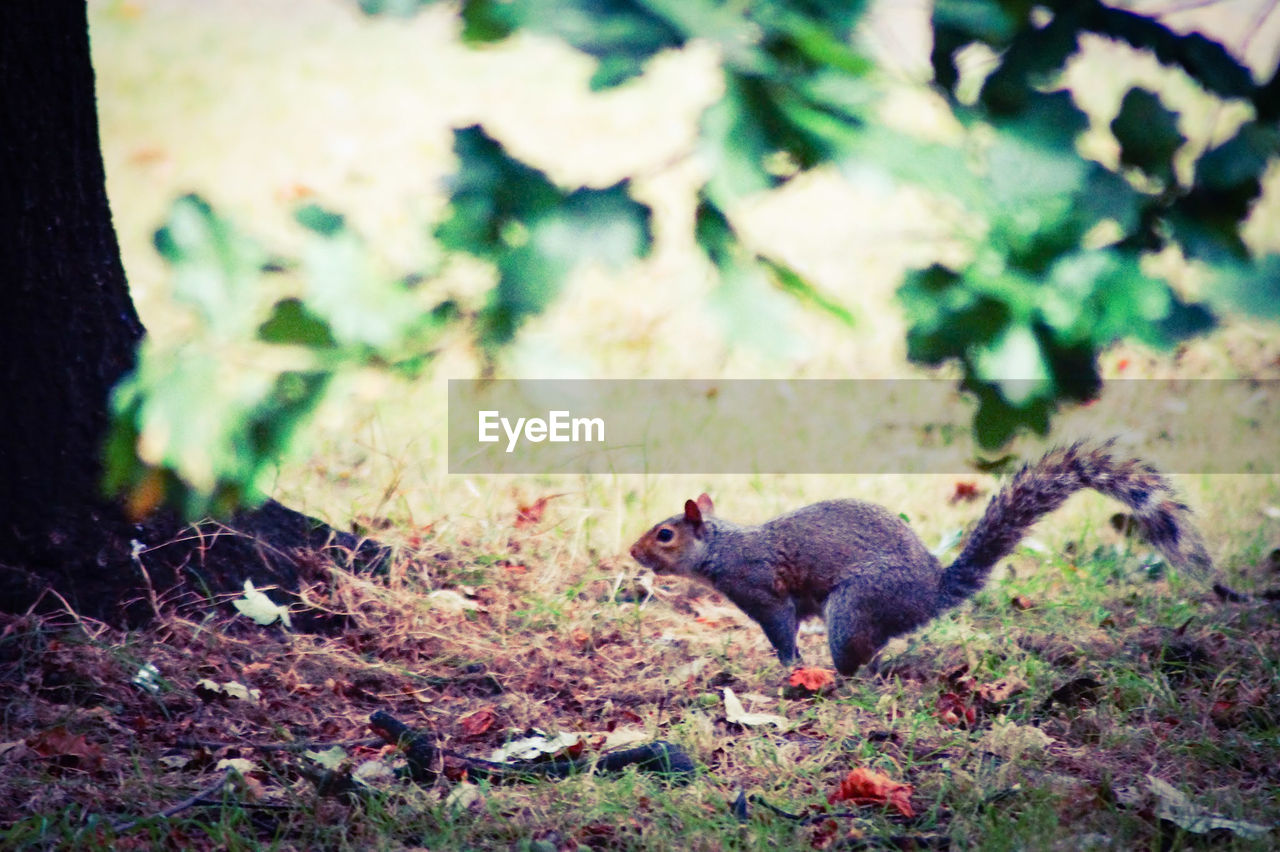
68, 331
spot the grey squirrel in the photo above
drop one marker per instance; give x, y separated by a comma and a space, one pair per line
864, 571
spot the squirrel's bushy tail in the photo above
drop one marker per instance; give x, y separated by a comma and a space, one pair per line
1039, 488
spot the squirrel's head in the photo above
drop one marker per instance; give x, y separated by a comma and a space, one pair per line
677, 545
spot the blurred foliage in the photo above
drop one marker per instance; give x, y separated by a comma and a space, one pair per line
1056, 274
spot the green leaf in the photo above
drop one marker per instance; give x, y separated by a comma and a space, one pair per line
958, 23
946, 317
1206, 61
292, 323
506, 212
1030, 62
488, 192
762, 132
216, 270
1238, 163
792, 283
359, 304
394, 8
1148, 134
1252, 287
485, 21
621, 34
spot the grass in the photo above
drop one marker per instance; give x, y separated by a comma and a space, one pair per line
1128, 671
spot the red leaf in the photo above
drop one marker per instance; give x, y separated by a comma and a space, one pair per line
812, 679
868, 787
475, 724
66, 748
532, 513
965, 492
952, 710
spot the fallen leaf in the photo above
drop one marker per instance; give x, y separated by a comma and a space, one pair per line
867, 787
1176, 807
954, 711
331, 758
1010, 740
208, 689
475, 724
736, 713
1081, 690
450, 600
374, 773
1022, 603
66, 749
532, 748
239, 764
812, 679
260, 608
999, 691
463, 796
531, 514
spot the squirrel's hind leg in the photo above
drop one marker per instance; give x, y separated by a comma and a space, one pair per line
851, 635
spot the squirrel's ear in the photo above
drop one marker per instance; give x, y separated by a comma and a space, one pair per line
691, 512
705, 506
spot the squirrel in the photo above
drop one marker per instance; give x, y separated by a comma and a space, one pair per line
863, 570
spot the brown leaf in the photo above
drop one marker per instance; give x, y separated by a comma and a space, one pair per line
812, 679
475, 724
965, 492
1080, 691
66, 748
954, 711
999, 691
1021, 603
531, 514
867, 787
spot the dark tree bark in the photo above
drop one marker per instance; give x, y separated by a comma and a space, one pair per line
68, 332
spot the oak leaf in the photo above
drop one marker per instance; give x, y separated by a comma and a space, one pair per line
812, 679
867, 787
475, 724
528, 515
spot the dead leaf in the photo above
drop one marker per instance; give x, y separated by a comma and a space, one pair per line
66, 749
540, 745
1021, 603
867, 787
1080, 691
477, 723
1176, 807
736, 713
965, 492
1010, 740
812, 679
1000, 691
531, 514
448, 599
955, 711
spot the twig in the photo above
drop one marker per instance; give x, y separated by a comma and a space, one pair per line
121, 827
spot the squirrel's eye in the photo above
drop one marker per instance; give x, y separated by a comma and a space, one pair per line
665, 534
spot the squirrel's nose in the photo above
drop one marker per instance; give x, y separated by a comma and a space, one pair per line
635, 551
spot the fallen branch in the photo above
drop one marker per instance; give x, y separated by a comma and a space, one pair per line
122, 826
425, 759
